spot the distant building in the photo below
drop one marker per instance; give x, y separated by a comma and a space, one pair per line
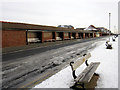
96, 29
80, 28
66, 26
91, 28
104, 30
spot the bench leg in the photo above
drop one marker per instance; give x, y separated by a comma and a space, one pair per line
74, 74
96, 74
86, 62
83, 86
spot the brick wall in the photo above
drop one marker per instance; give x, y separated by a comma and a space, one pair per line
66, 35
77, 35
11, 38
94, 34
32, 35
83, 35
57, 34
47, 36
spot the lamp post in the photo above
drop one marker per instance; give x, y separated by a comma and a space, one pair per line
115, 30
109, 25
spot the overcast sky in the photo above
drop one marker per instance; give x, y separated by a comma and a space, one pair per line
78, 13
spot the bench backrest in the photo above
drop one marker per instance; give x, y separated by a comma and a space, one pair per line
79, 62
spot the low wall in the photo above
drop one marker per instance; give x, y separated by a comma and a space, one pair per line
11, 38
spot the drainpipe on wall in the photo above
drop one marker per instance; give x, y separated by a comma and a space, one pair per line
26, 37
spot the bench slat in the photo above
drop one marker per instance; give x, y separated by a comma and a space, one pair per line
91, 73
81, 61
87, 74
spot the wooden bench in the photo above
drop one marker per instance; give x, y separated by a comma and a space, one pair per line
116, 36
113, 39
108, 46
86, 75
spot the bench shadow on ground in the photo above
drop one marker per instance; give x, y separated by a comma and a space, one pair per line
88, 86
